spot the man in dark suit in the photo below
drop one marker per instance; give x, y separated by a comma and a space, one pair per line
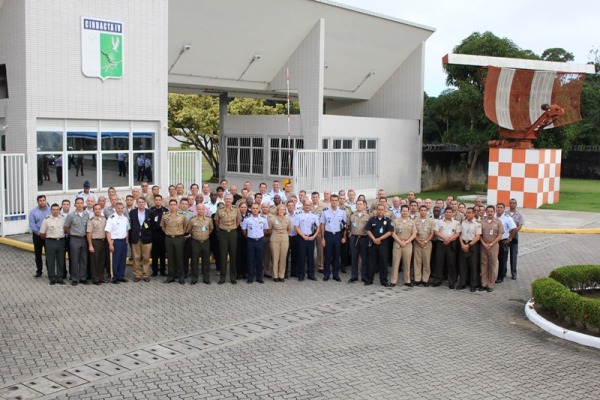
140, 238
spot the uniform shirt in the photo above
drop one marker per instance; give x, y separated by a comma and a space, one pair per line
404, 228
459, 217
267, 198
118, 226
281, 194
108, 211
255, 226
228, 220
173, 224
518, 218
424, 228
76, 223
53, 227
158, 214
351, 205
358, 223
387, 213
447, 228
318, 209
200, 227
396, 212
469, 230
293, 218
379, 226
490, 229
82, 195
279, 229
36, 217
211, 207
189, 214
508, 224
307, 223
96, 226
334, 221
90, 212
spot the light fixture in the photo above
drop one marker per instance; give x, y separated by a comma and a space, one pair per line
254, 58
370, 74
186, 47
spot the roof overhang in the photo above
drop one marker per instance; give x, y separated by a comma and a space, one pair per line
238, 46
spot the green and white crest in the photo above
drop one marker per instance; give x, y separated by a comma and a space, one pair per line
101, 48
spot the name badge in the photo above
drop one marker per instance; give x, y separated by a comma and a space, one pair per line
399, 229
354, 224
204, 229
276, 222
450, 231
492, 232
381, 230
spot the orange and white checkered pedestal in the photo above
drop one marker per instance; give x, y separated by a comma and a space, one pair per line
531, 176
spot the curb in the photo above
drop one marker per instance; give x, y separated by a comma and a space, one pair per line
16, 243
562, 230
558, 331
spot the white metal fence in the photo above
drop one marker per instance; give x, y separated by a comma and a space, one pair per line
185, 167
317, 170
13, 201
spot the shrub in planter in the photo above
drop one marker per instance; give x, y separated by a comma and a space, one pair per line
577, 277
560, 299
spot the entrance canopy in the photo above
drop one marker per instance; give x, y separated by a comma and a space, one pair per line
239, 46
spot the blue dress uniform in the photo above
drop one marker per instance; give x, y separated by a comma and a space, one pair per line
307, 223
378, 253
334, 223
255, 232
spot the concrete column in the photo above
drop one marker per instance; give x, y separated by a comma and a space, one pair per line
223, 104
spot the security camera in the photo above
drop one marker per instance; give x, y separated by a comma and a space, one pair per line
257, 56
186, 47
4, 127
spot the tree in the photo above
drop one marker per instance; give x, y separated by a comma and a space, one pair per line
466, 123
194, 121
557, 54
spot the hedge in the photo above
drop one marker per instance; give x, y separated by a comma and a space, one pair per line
577, 277
556, 294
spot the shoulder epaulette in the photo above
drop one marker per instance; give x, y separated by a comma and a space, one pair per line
112, 216
47, 216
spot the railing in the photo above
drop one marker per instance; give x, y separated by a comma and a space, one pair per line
185, 167
13, 201
317, 170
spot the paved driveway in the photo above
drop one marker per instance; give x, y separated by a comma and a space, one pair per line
308, 340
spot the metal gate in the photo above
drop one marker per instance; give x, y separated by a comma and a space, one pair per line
185, 167
317, 170
13, 201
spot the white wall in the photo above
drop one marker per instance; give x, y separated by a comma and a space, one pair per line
52, 81
398, 146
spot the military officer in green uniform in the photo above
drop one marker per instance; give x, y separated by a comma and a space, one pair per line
227, 219
174, 224
200, 227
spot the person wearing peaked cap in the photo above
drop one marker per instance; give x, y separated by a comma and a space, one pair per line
85, 193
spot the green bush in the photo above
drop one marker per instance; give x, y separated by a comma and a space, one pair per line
577, 277
556, 294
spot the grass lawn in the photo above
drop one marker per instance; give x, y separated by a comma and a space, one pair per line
577, 195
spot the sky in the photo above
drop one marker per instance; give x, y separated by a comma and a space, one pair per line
533, 25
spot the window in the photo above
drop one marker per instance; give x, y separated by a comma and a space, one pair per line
3, 82
367, 144
367, 163
345, 144
245, 155
325, 145
282, 155
68, 157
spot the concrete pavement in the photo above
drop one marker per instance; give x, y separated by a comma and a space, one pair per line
311, 340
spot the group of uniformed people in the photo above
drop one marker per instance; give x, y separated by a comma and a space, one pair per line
276, 234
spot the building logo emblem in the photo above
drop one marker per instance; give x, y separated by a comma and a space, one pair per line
101, 48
